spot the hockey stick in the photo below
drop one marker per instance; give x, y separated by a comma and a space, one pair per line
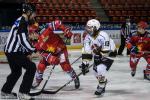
54, 92
76, 60
38, 93
144, 52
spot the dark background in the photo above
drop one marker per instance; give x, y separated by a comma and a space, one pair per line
12, 1
9, 11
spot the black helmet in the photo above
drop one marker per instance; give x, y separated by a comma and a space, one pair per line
28, 7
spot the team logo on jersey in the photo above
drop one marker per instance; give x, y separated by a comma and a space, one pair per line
50, 49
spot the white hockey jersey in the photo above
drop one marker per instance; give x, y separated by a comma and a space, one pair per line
102, 40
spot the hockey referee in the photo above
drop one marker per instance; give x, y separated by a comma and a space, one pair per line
18, 51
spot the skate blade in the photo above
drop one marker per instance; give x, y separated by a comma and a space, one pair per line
99, 96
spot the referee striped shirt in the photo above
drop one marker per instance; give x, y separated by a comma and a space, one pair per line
18, 41
125, 31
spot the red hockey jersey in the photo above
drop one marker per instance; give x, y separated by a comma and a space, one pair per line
51, 42
142, 41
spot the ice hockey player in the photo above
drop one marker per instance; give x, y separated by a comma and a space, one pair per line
97, 43
54, 51
18, 50
139, 44
33, 32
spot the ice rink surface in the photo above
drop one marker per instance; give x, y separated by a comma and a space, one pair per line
121, 86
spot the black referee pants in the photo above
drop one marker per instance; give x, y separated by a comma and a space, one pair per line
16, 63
122, 46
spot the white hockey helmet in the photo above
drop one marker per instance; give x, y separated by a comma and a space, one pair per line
92, 25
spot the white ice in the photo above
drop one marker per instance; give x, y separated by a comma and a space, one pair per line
121, 86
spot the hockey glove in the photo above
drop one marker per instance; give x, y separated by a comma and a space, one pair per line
134, 50
97, 50
84, 68
68, 35
67, 32
129, 45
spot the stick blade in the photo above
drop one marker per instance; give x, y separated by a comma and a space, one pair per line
35, 93
49, 92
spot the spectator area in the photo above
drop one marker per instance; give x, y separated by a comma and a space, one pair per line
82, 10
67, 10
119, 10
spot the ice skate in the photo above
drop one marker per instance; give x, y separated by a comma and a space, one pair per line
77, 82
73, 75
23, 96
146, 76
36, 83
8, 95
101, 88
133, 73
38, 80
120, 55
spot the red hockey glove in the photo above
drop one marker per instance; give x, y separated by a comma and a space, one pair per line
68, 35
129, 45
53, 60
67, 32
